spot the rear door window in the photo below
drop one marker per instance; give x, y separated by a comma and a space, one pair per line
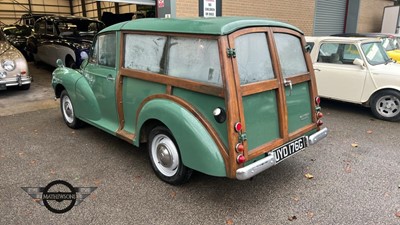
253, 58
291, 54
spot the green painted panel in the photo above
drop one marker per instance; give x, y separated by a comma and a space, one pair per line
134, 92
299, 106
198, 149
261, 115
206, 104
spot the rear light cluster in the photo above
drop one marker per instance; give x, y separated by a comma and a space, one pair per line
319, 114
239, 146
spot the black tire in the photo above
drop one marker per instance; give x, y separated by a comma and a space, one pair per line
385, 105
69, 62
165, 157
25, 87
67, 111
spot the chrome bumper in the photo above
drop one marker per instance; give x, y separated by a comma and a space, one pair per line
259, 166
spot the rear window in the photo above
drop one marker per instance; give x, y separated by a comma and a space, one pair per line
253, 58
291, 55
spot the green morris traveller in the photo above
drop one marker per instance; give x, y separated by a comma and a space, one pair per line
226, 96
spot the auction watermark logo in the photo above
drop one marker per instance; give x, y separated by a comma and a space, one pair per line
59, 196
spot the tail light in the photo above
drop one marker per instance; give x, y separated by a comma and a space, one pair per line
317, 100
238, 127
319, 122
240, 159
320, 115
239, 147
23, 72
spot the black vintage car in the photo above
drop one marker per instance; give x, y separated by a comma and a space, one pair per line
62, 37
17, 35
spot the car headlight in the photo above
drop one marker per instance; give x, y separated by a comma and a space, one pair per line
84, 55
8, 65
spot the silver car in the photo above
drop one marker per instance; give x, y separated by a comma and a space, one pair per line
14, 68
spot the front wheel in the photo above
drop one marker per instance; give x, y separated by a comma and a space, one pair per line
68, 112
165, 157
385, 105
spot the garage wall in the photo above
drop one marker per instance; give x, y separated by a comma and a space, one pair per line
91, 8
11, 10
300, 13
370, 15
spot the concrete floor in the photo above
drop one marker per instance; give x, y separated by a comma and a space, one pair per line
39, 96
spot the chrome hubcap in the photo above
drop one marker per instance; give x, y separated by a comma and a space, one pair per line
165, 155
388, 106
67, 109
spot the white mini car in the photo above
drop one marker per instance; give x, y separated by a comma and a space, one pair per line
357, 70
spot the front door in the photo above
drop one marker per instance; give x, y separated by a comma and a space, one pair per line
100, 72
340, 79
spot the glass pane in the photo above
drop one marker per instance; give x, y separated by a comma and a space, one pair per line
326, 51
291, 54
195, 59
106, 50
375, 53
350, 53
144, 52
253, 58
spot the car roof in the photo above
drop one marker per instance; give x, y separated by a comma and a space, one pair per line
384, 35
212, 26
341, 39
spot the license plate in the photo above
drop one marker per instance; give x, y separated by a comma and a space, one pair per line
3, 87
289, 149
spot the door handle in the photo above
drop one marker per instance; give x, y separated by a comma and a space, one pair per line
110, 78
288, 83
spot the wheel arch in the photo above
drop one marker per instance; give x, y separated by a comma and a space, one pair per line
376, 92
197, 148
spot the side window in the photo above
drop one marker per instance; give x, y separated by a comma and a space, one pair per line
49, 28
329, 53
40, 27
291, 56
105, 50
253, 58
350, 52
144, 52
195, 59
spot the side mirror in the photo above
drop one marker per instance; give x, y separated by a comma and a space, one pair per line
59, 63
359, 62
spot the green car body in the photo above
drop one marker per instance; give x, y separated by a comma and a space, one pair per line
186, 80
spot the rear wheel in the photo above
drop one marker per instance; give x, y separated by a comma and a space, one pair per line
68, 112
385, 105
165, 157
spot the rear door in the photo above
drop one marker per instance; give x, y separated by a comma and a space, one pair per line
275, 87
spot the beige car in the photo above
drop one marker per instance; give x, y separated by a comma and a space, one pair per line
14, 68
357, 70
